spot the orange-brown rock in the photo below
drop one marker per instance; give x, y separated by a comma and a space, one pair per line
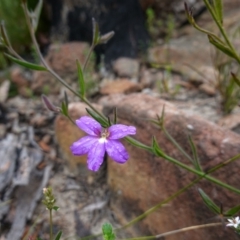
62, 59
22, 80
119, 86
145, 180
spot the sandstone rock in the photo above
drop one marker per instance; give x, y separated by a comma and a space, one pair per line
208, 89
231, 122
126, 67
22, 80
4, 88
147, 78
119, 86
189, 55
62, 59
145, 180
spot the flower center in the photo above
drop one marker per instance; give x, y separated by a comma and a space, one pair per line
104, 133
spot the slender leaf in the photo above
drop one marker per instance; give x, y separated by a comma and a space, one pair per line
97, 118
218, 8
221, 47
66, 98
55, 208
64, 109
109, 121
81, 79
58, 236
236, 79
96, 33
37, 13
115, 115
232, 211
155, 147
4, 34
210, 204
26, 64
195, 154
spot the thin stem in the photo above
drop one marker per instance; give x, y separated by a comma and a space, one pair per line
176, 194
32, 33
88, 57
201, 174
174, 142
159, 205
222, 30
176, 231
207, 32
51, 224
136, 143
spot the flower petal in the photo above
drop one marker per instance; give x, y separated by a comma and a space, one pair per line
120, 131
89, 125
83, 145
95, 156
116, 151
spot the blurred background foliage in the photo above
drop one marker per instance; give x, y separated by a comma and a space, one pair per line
12, 15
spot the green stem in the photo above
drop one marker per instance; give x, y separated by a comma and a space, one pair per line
176, 231
32, 33
51, 223
200, 174
138, 144
222, 30
174, 142
159, 205
88, 57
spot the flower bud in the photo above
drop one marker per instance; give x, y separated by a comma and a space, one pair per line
49, 105
106, 37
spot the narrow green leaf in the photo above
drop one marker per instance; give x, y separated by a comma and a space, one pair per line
55, 208
97, 118
115, 115
109, 121
58, 236
96, 34
210, 204
156, 149
66, 98
221, 47
195, 154
36, 14
26, 64
64, 109
218, 8
230, 88
231, 212
236, 79
4, 34
80, 79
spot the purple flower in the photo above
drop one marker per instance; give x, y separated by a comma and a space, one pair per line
101, 140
